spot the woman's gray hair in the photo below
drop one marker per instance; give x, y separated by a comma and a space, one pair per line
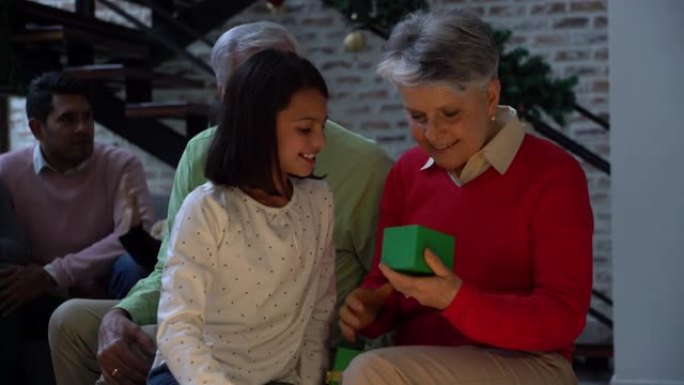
241, 42
455, 47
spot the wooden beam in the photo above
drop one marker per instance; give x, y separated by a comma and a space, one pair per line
69, 34
119, 72
195, 115
166, 110
149, 134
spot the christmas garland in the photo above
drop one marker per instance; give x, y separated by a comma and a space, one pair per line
377, 15
528, 85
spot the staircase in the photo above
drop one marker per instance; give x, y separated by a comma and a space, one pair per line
123, 62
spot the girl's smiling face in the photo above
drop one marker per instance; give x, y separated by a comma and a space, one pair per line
300, 130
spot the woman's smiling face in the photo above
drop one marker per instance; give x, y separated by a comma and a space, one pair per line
451, 126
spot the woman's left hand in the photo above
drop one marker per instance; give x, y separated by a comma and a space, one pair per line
436, 291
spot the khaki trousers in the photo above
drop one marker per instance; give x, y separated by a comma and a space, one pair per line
467, 365
72, 334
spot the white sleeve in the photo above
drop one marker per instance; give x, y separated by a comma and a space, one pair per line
313, 360
186, 278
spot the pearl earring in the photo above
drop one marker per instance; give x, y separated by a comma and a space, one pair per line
493, 118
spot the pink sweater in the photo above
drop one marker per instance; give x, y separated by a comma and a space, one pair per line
523, 250
73, 220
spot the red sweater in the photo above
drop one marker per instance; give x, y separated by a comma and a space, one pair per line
523, 251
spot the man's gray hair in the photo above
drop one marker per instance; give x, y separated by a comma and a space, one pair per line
456, 48
239, 43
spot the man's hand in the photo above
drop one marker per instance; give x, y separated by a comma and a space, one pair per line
22, 284
360, 309
437, 291
131, 211
124, 353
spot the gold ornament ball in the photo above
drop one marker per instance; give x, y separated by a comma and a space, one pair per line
276, 9
355, 41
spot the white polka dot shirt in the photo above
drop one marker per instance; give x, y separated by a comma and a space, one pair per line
248, 290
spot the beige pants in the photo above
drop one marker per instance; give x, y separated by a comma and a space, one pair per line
72, 333
437, 365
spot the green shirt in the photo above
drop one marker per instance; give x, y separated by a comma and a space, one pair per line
355, 169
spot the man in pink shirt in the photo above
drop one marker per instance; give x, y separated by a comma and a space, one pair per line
65, 193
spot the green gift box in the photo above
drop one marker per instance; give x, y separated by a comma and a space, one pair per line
403, 247
343, 357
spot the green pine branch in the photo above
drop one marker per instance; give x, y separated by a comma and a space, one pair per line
528, 85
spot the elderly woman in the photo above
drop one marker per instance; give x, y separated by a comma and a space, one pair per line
517, 206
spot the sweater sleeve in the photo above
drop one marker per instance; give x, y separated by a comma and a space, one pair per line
142, 300
95, 260
390, 215
365, 216
313, 360
553, 313
13, 244
187, 274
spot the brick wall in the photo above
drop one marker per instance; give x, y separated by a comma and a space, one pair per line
570, 34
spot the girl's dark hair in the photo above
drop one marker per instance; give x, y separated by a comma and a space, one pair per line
244, 151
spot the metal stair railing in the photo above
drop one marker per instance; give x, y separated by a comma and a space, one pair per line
569, 144
197, 62
169, 18
594, 118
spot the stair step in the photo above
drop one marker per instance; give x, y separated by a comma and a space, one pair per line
38, 14
196, 115
63, 33
175, 4
120, 72
593, 350
166, 110
107, 72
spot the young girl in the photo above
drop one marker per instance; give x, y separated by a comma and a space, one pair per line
248, 289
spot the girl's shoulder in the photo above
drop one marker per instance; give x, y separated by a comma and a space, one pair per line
208, 194
312, 186
314, 190
203, 191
